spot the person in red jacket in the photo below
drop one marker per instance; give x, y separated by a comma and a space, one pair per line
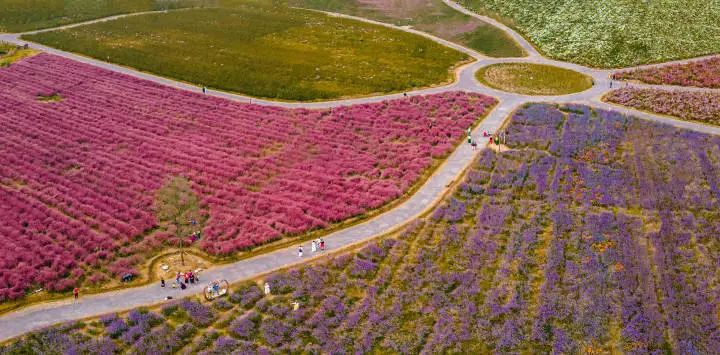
76, 292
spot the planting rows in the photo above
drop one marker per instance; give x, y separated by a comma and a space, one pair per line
79, 173
701, 73
595, 233
688, 105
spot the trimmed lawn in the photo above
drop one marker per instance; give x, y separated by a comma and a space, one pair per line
533, 79
431, 16
24, 15
266, 51
612, 33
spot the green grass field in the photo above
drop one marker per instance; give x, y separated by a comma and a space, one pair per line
612, 33
26, 15
533, 79
266, 51
431, 16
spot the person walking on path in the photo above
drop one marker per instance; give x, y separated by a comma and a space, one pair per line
267, 288
300, 251
474, 145
322, 245
313, 246
162, 282
76, 293
204, 89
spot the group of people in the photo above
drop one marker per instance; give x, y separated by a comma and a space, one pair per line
315, 246
496, 138
182, 279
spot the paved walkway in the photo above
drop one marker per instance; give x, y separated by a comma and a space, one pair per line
37, 316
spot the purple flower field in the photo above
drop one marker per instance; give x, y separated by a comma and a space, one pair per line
701, 73
694, 106
79, 172
593, 233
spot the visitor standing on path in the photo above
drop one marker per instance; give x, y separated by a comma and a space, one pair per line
474, 145
267, 288
204, 89
76, 293
162, 282
313, 246
300, 251
322, 245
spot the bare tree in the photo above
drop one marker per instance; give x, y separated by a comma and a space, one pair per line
177, 207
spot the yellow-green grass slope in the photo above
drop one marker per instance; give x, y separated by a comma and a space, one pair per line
431, 16
26, 15
612, 33
533, 79
265, 51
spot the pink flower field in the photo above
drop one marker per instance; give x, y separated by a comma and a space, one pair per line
78, 176
701, 73
694, 106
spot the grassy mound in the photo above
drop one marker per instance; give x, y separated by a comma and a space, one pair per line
266, 51
612, 33
533, 79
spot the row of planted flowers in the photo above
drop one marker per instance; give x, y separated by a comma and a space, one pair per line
699, 73
593, 232
79, 174
688, 105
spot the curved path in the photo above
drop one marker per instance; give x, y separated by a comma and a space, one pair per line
40, 315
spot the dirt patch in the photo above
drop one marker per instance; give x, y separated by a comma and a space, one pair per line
168, 266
